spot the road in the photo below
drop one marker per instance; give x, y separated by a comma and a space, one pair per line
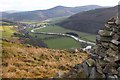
37, 28
61, 34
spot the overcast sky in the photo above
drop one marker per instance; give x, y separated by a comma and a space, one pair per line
28, 5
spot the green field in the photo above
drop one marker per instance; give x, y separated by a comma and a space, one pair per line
57, 29
62, 43
7, 31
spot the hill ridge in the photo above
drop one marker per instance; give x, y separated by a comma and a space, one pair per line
89, 21
48, 13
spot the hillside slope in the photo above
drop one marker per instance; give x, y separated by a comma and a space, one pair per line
25, 62
89, 21
58, 11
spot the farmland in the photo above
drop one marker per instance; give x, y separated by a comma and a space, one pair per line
62, 43
7, 31
57, 42
50, 41
57, 29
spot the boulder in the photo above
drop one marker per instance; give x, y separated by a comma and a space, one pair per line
105, 33
90, 62
115, 29
82, 74
111, 59
111, 23
93, 73
118, 71
105, 39
111, 77
114, 47
101, 51
99, 68
110, 52
60, 74
110, 69
115, 42
116, 37
85, 68
108, 27
105, 44
102, 63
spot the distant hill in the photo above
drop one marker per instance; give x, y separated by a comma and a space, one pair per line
3, 14
89, 21
58, 11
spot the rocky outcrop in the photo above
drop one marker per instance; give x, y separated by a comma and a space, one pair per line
104, 60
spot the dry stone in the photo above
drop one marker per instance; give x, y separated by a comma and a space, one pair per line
104, 62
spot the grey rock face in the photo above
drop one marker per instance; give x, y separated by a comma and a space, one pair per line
86, 69
93, 73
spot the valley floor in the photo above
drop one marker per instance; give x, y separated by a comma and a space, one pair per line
52, 36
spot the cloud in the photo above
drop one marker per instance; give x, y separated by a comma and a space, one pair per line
22, 5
